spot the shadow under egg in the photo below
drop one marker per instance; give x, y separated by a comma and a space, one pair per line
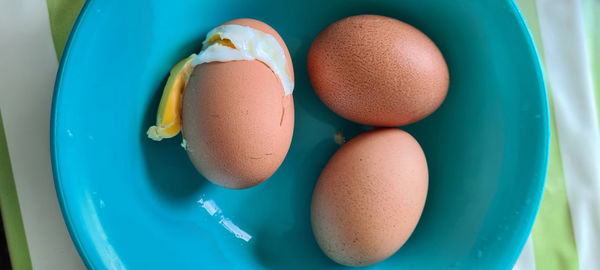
170, 172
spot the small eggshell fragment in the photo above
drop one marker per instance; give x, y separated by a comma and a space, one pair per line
236, 119
377, 71
369, 197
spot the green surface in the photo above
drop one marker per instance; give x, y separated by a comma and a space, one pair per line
62, 14
591, 18
552, 235
11, 213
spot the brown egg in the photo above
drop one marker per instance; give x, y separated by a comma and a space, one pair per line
377, 71
369, 197
237, 121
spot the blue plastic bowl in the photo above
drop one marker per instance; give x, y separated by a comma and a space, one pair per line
133, 203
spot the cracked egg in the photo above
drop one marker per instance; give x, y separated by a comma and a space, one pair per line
233, 104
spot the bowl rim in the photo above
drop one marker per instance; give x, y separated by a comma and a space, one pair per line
545, 117
64, 207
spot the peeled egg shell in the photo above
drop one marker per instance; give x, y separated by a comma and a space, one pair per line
265, 28
369, 197
237, 121
377, 71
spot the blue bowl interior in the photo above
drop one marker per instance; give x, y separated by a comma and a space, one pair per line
132, 202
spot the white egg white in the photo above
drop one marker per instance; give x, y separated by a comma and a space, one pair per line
250, 44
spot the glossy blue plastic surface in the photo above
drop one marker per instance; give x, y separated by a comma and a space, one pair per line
133, 203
